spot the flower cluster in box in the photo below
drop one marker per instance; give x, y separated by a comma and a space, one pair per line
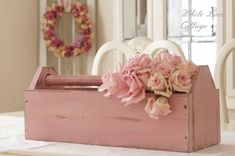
162, 75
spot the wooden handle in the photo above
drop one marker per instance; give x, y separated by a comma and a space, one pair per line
81, 80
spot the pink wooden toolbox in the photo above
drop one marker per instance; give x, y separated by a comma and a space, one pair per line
60, 108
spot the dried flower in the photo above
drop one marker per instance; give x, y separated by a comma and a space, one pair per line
82, 44
163, 75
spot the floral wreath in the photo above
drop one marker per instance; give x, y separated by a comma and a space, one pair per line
84, 28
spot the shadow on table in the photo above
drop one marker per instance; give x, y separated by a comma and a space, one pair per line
220, 149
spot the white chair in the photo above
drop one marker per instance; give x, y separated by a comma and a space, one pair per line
220, 79
110, 47
138, 44
153, 48
129, 50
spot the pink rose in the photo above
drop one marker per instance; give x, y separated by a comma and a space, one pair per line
159, 85
113, 83
144, 76
164, 68
59, 7
127, 87
139, 62
173, 59
181, 81
136, 92
50, 15
157, 107
176, 61
163, 56
161, 75
48, 33
191, 67
55, 42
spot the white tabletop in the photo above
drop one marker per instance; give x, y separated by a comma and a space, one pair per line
12, 142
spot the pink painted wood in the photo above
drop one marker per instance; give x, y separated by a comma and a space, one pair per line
81, 80
83, 115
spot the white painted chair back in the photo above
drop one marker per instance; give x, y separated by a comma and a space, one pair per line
138, 44
110, 47
152, 49
220, 78
129, 51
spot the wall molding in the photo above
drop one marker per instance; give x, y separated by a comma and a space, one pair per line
42, 45
230, 15
157, 19
92, 52
231, 114
225, 32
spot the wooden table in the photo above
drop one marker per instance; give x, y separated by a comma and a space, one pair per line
12, 143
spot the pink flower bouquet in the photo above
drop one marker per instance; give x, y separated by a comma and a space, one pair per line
161, 76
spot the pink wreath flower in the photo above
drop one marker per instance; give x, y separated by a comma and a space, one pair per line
50, 15
56, 43
48, 33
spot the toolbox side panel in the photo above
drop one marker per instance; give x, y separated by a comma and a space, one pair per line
85, 116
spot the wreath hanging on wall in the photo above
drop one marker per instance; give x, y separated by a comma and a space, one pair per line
84, 28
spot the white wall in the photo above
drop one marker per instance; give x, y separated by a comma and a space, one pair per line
18, 50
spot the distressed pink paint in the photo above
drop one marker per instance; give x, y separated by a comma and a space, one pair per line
82, 115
